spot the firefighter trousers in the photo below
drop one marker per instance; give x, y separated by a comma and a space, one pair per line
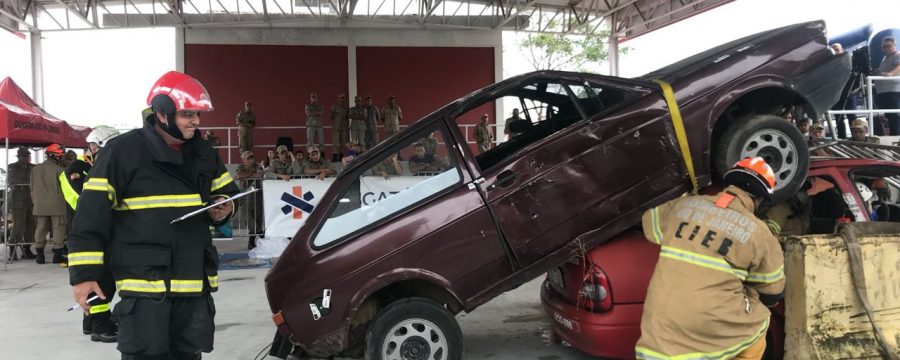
178, 328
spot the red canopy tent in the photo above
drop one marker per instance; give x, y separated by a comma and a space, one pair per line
23, 122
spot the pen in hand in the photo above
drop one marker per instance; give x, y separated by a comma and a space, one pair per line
92, 298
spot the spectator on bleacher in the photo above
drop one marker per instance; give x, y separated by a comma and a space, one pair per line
358, 122
314, 134
425, 162
282, 166
859, 131
484, 136
299, 156
372, 117
316, 164
389, 167
352, 152
267, 162
803, 125
391, 115
889, 90
514, 117
246, 120
248, 169
340, 125
430, 143
212, 139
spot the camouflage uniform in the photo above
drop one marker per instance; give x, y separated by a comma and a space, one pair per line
372, 116
246, 121
21, 204
391, 117
314, 125
358, 125
340, 127
483, 137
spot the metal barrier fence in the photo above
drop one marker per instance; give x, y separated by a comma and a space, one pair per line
231, 133
869, 110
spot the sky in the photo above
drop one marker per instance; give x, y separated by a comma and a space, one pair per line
94, 77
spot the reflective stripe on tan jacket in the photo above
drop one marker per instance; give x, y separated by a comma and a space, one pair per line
715, 259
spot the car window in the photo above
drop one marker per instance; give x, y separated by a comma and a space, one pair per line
389, 184
596, 98
530, 113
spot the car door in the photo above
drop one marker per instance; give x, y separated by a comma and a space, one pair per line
585, 172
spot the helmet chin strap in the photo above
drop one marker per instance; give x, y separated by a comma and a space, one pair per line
171, 128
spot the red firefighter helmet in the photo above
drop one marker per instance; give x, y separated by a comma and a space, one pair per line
55, 149
184, 92
754, 175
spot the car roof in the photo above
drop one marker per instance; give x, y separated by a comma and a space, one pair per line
824, 162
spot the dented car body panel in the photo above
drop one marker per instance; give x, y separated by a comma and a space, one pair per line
487, 223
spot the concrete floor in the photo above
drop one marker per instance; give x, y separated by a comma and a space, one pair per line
35, 325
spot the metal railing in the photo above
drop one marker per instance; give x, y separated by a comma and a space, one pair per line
870, 106
231, 133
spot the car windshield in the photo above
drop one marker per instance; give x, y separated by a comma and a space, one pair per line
389, 184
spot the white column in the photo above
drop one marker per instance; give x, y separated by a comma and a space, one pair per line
37, 68
351, 73
179, 49
613, 57
498, 104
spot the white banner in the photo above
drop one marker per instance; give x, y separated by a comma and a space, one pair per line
377, 188
288, 203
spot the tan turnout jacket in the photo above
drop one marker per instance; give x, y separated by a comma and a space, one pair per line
716, 257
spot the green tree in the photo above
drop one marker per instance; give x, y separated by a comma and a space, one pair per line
566, 52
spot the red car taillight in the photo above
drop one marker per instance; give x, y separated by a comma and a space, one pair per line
595, 294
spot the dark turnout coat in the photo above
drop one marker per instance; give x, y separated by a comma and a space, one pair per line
131, 195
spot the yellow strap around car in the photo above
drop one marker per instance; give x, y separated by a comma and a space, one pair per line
680, 134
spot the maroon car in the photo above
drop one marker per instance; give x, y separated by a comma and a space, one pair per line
596, 301
422, 227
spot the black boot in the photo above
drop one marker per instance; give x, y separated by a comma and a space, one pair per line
58, 257
26, 252
103, 329
86, 327
39, 258
251, 242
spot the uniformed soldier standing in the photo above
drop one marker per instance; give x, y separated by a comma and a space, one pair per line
19, 179
392, 116
358, 123
483, 134
98, 323
164, 272
430, 143
246, 120
314, 121
372, 117
49, 207
340, 125
859, 131
718, 270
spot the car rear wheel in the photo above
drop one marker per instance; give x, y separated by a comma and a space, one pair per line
414, 329
775, 140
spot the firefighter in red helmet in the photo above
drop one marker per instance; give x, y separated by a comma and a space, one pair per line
163, 272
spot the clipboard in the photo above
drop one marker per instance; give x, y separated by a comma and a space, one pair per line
203, 209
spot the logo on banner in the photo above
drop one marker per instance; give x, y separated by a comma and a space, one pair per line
297, 203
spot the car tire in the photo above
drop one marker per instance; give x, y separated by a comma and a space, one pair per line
774, 139
413, 329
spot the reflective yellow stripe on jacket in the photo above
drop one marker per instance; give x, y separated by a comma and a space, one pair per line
101, 184
159, 201
654, 224
213, 281
729, 353
221, 181
86, 258
69, 193
186, 286
96, 309
138, 285
701, 260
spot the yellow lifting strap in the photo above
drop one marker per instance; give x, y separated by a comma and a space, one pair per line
680, 134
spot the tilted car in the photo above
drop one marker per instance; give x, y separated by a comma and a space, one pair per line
595, 302
379, 271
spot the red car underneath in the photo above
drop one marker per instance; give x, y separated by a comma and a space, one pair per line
595, 301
